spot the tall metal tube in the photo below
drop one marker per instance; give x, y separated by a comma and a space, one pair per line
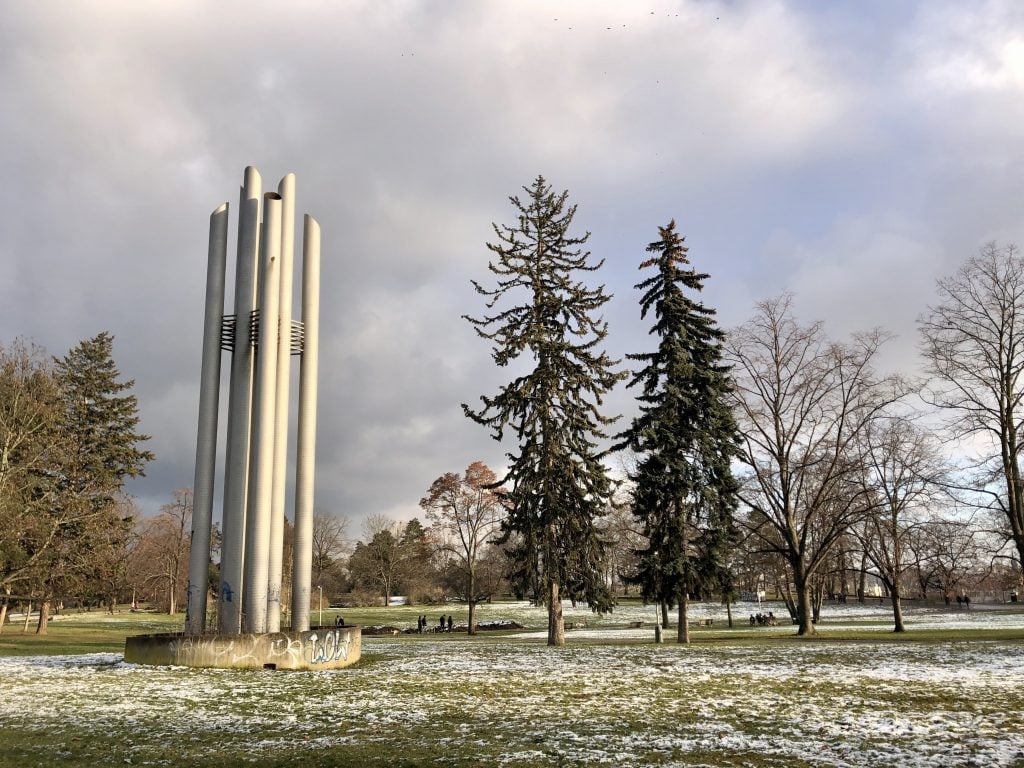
305, 455
206, 433
286, 189
229, 604
258, 527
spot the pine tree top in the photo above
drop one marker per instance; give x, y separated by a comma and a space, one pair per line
99, 417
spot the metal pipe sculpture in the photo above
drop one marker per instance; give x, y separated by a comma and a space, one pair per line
305, 452
257, 531
238, 337
286, 189
261, 338
206, 439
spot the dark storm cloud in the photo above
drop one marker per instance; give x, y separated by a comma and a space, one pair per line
849, 153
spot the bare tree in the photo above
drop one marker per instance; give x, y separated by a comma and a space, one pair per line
625, 538
464, 513
111, 553
160, 557
492, 572
954, 551
906, 474
30, 443
973, 340
801, 403
329, 543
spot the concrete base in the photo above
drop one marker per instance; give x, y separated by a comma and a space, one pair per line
321, 648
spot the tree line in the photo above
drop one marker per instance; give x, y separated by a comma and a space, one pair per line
766, 455
769, 442
769, 455
68, 441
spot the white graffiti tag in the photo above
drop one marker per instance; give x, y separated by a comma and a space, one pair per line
332, 646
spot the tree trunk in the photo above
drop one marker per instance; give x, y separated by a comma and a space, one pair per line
1019, 541
1011, 472
817, 596
28, 617
664, 615
4, 607
805, 626
556, 624
842, 575
862, 584
44, 617
897, 608
728, 609
785, 590
683, 631
471, 630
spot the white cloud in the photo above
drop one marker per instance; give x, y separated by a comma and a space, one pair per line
848, 154
971, 48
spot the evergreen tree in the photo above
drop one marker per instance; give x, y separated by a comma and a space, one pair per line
101, 419
418, 578
685, 436
379, 563
557, 484
98, 421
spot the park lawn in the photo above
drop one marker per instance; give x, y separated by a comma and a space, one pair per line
97, 632
92, 632
948, 693
453, 700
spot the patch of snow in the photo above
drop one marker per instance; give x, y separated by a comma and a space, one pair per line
850, 704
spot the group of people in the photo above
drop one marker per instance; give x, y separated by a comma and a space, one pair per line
763, 619
422, 624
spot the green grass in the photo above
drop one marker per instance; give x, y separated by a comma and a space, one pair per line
97, 632
451, 700
77, 633
747, 697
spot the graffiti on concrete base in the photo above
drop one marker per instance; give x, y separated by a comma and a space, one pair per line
301, 650
330, 646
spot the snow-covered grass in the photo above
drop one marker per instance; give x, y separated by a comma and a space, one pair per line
496, 700
872, 616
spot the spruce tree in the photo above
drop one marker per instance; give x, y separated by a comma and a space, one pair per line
99, 421
101, 418
685, 436
545, 320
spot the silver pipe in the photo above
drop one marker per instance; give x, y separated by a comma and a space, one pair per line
286, 189
229, 603
258, 526
206, 433
305, 453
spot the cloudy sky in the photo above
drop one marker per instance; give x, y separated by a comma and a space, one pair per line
848, 152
